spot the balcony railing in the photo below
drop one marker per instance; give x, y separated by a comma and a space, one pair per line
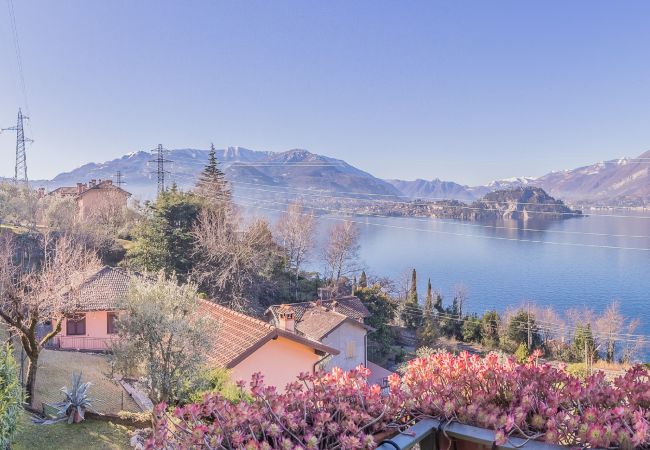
432, 434
80, 343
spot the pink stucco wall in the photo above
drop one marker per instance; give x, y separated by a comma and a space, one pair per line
94, 200
96, 337
280, 361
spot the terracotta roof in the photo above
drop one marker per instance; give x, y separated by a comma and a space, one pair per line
318, 322
349, 306
104, 290
64, 191
237, 335
74, 190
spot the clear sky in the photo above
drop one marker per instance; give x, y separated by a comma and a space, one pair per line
461, 90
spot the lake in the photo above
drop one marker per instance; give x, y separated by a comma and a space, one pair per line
587, 261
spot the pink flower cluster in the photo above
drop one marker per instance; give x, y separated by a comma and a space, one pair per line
340, 409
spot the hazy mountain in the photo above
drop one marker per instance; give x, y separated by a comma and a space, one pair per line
287, 174
433, 190
252, 172
615, 180
625, 180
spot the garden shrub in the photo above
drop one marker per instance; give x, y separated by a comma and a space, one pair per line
340, 409
11, 396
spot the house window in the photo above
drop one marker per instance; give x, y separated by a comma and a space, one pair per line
76, 326
111, 317
350, 350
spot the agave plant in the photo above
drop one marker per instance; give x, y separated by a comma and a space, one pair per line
73, 408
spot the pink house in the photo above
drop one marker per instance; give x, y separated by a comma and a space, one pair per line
93, 325
96, 198
246, 345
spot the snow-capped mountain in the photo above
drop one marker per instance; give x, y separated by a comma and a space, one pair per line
620, 179
252, 173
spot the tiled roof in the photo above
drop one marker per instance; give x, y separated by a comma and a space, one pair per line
65, 191
236, 335
104, 290
317, 322
349, 306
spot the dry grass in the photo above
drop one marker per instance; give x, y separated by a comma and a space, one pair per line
89, 434
55, 370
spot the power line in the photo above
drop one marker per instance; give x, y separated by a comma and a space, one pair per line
19, 60
346, 195
459, 223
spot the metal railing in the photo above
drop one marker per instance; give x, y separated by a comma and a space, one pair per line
80, 343
429, 433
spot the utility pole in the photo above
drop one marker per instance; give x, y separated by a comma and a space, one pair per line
118, 179
160, 167
20, 171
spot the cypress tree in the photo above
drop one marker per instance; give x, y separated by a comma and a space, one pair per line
363, 280
412, 311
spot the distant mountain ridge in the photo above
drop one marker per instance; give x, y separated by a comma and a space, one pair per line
623, 180
257, 173
252, 173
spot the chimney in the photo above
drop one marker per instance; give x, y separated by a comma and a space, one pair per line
93, 182
80, 188
286, 320
108, 182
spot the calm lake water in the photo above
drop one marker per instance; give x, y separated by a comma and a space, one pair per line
586, 261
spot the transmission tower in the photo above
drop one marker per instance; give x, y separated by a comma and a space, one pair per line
20, 173
160, 167
119, 182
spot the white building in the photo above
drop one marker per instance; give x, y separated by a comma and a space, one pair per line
337, 323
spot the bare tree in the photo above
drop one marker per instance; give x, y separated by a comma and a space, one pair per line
230, 260
295, 233
342, 251
38, 284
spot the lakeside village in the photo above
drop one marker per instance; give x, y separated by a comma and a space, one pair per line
176, 324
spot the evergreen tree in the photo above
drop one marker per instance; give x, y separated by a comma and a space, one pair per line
412, 311
428, 333
363, 280
164, 240
212, 183
413, 292
519, 327
583, 340
490, 329
382, 312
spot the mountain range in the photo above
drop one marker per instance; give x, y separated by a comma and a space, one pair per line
255, 173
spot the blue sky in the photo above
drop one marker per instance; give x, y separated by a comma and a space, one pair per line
460, 90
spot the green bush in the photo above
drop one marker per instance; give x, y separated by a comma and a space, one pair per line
11, 396
211, 381
522, 354
577, 369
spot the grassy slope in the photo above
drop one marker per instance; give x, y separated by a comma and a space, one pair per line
96, 435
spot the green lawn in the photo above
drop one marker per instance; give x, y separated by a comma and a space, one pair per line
90, 434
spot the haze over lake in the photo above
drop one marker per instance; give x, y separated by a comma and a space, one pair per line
587, 261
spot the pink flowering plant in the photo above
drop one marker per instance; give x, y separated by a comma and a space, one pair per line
341, 410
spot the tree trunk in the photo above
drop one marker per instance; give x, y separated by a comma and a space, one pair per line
30, 385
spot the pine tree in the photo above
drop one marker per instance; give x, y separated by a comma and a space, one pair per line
212, 182
363, 280
428, 303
